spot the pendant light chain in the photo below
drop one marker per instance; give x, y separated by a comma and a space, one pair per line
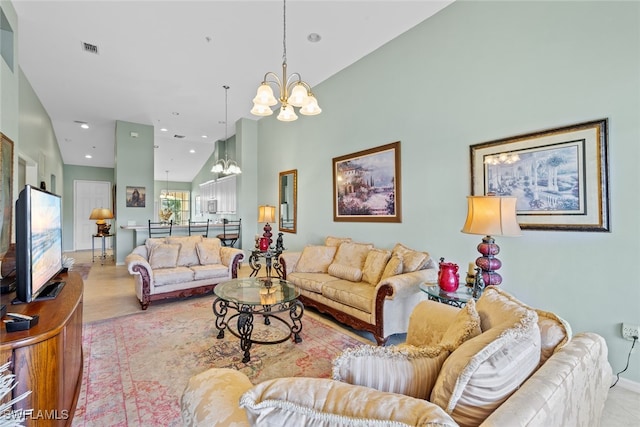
226, 120
284, 32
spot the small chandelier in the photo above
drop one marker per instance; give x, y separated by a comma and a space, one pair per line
294, 92
226, 166
502, 159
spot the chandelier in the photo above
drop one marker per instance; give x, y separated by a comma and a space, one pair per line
226, 166
294, 92
502, 159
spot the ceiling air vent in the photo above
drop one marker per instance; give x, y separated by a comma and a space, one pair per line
178, 136
91, 48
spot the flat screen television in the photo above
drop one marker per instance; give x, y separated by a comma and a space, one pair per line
38, 244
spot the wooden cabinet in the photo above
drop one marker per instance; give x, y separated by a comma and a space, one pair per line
47, 359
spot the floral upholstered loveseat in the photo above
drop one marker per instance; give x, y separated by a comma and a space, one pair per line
180, 266
493, 363
367, 288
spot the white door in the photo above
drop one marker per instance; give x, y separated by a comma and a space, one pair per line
86, 196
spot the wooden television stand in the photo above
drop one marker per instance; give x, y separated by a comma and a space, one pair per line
47, 359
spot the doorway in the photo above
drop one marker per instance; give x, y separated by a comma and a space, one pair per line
86, 196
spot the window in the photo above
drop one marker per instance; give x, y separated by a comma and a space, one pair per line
175, 205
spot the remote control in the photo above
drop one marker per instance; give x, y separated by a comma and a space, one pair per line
19, 316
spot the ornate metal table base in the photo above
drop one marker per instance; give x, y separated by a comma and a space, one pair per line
245, 316
271, 260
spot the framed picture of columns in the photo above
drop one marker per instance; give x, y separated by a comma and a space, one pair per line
559, 176
366, 185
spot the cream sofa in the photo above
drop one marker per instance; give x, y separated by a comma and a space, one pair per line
180, 266
367, 288
496, 362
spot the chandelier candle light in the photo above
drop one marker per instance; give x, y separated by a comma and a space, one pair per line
491, 216
226, 166
294, 92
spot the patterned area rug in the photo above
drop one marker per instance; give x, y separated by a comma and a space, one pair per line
137, 366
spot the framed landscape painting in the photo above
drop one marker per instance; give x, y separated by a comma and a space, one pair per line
366, 185
559, 176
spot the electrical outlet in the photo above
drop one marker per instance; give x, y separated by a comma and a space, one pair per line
629, 331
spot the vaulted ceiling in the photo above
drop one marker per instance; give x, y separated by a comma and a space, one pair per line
164, 63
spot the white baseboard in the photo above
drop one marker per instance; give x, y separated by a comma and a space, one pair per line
629, 385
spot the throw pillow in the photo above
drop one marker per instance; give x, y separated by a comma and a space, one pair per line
316, 259
374, 265
336, 241
154, 241
393, 267
411, 260
345, 272
208, 251
555, 332
322, 402
164, 255
188, 255
465, 325
402, 369
352, 254
484, 371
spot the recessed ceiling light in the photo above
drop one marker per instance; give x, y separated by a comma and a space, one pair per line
83, 125
192, 151
163, 129
314, 37
88, 156
205, 136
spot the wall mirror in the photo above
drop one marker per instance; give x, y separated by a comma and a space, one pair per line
288, 183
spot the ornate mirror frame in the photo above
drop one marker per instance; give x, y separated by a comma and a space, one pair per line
288, 208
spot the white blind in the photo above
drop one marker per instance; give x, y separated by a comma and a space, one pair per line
223, 190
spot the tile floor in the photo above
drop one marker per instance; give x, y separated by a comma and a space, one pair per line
109, 293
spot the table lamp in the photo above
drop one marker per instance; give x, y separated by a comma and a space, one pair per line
266, 214
491, 216
100, 214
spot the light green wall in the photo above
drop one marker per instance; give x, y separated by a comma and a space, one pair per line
475, 72
37, 140
74, 173
9, 80
134, 167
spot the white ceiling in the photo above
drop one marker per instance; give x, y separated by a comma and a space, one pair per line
163, 63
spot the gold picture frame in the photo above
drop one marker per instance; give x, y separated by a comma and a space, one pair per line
366, 185
559, 176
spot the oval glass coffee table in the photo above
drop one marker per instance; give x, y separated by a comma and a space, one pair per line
270, 297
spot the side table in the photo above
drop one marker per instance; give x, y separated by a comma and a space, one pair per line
271, 257
103, 255
458, 298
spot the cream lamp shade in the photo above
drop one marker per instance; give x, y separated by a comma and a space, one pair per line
266, 213
100, 214
491, 216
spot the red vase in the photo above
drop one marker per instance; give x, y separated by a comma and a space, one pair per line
448, 277
264, 244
